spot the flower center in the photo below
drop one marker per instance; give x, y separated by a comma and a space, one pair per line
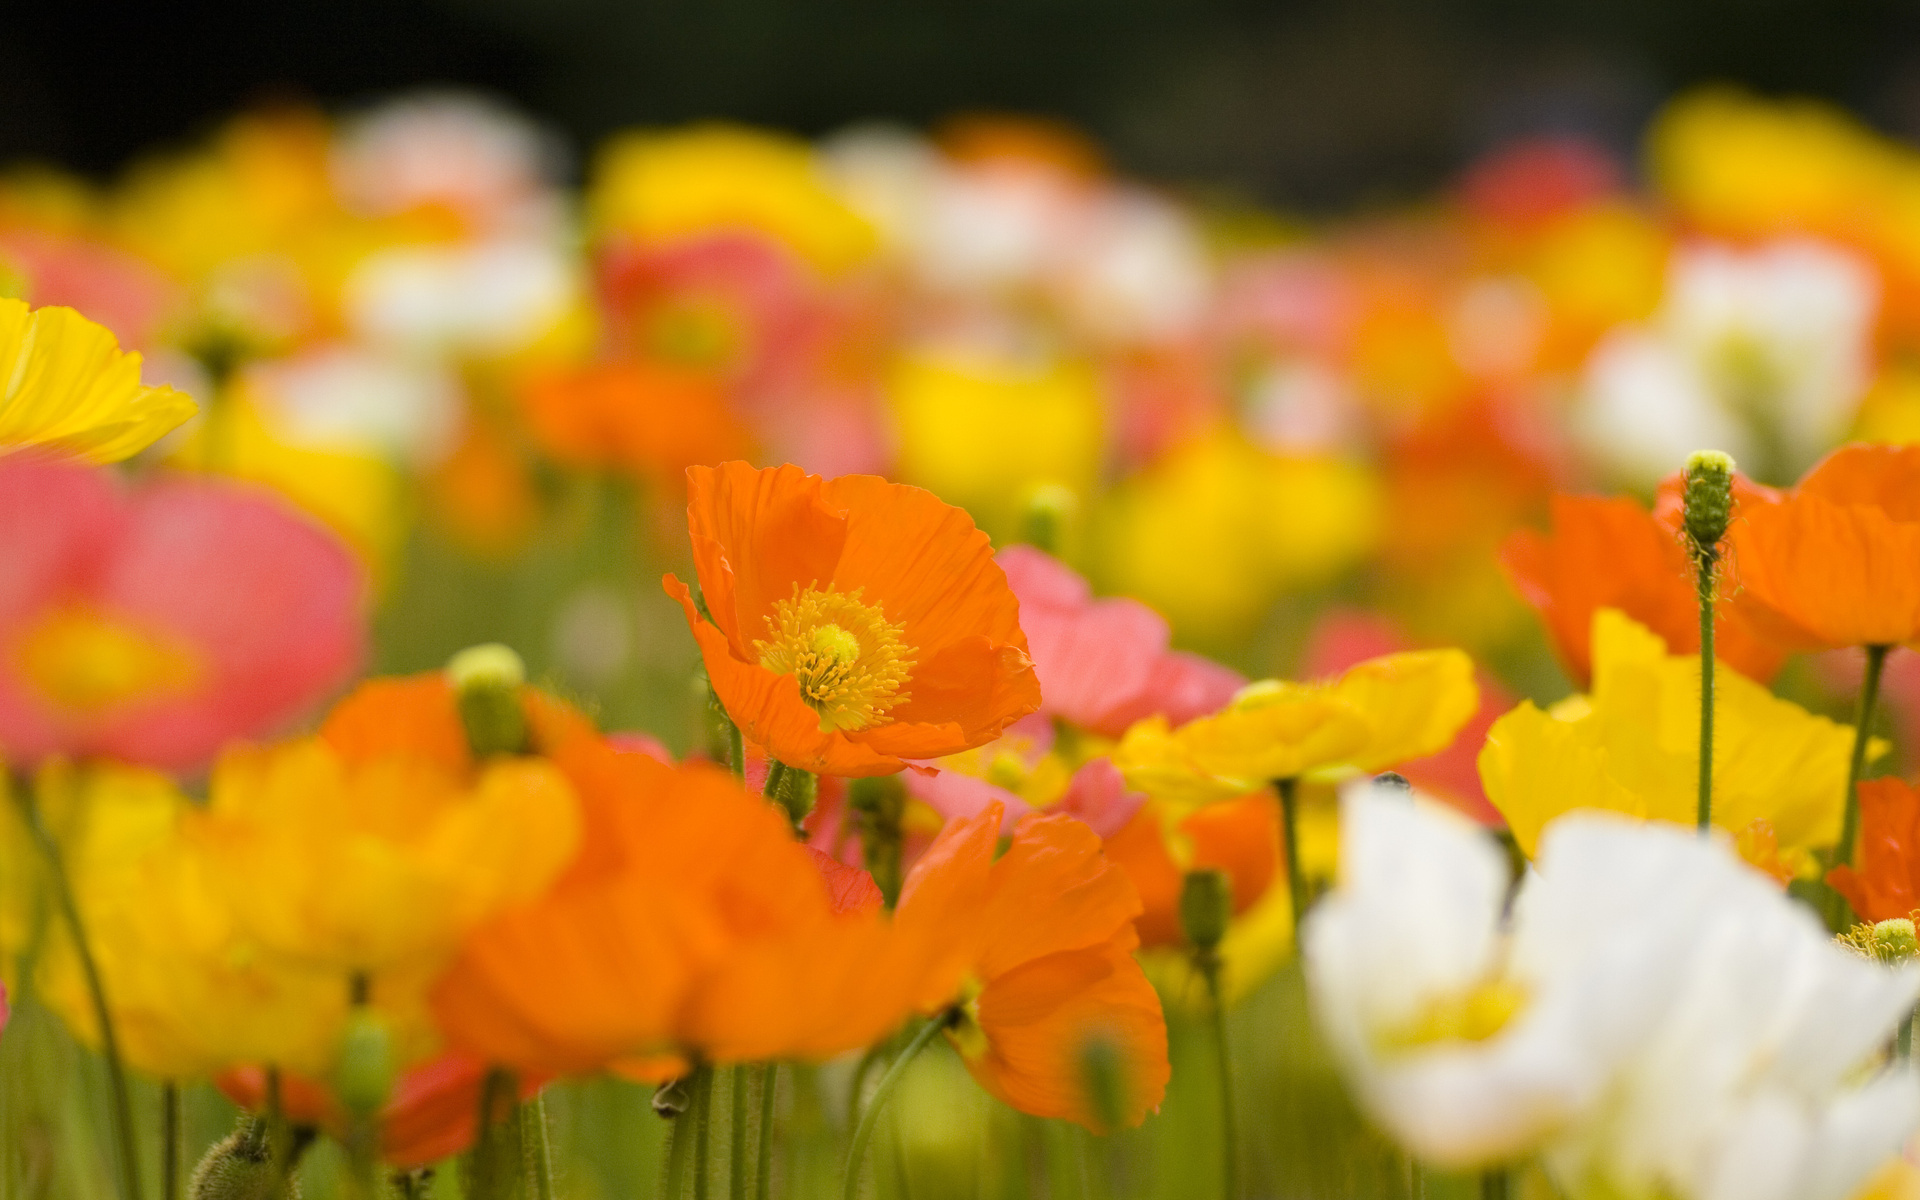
847, 657
87, 662
1471, 1016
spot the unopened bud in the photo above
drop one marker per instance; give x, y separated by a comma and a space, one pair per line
241, 1167
486, 681
879, 805
1206, 907
797, 791
1103, 1076
364, 1078
1050, 507
1708, 506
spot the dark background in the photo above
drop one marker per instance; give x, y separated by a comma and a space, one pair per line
1308, 104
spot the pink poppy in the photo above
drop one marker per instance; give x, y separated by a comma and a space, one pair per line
151, 624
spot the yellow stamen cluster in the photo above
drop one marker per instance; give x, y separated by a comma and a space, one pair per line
849, 660
1884, 941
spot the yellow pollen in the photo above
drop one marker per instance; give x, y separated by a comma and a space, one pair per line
88, 663
966, 1032
847, 657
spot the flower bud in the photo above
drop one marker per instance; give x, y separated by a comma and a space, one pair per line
241, 1167
1708, 498
797, 791
879, 804
486, 680
364, 1078
1043, 522
1206, 907
1891, 941
1394, 780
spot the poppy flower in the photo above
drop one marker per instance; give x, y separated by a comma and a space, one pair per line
693, 926
1837, 562
1886, 884
654, 419
432, 1114
855, 623
1612, 553
1240, 837
379, 843
1632, 746
70, 389
1378, 713
1036, 960
190, 991
151, 624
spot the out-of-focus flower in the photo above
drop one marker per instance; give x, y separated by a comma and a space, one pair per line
352, 398
1659, 1019
983, 431
191, 992
1038, 941
431, 1115
152, 624
663, 188
651, 418
490, 298
855, 623
1376, 714
1632, 746
380, 843
733, 947
1763, 354
1215, 530
1612, 553
1886, 884
71, 390
1837, 562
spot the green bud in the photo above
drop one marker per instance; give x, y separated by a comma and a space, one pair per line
487, 681
796, 792
1709, 497
1206, 907
1103, 1075
1049, 508
241, 1167
364, 1077
879, 804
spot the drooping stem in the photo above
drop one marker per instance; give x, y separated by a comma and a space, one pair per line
1290, 834
1862, 734
1229, 1118
69, 906
1705, 560
536, 1146
170, 1148
737, 1144
888, 1082
769, 1085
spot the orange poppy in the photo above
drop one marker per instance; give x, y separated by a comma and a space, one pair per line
694, 925
855, 623
1035, 961
1608, 552
1837, 561
648, 417
1240, 837
1887, 882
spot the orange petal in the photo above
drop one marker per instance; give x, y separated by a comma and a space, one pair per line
1885, 477
1039, 1019
756, 536
1053, 890
1815, 574
413, 716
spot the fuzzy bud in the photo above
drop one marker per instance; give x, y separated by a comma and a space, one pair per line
1206, 907
1050, 507
796, 792
241, 1167
1708, 498
486, 680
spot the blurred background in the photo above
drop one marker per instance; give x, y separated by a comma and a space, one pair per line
1309, 105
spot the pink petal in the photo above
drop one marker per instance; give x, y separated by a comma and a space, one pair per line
958, 797
1098, 795
1181, 687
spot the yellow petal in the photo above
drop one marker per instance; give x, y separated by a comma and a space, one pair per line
66, 385
1415, 704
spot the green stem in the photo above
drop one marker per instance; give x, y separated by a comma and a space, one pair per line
1903, 1043
769, 1088
96, 993
888, 1082
736, 750
493, 1166
702, 1131
860, 1071
1862, 734
1495, 1184
679, 1140
1705, 560
170, 1147
737, 1144
537, 1146
1290, 833
1229, 1122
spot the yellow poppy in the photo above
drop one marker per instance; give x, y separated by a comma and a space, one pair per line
66, 385
1383, 711
1632, 746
